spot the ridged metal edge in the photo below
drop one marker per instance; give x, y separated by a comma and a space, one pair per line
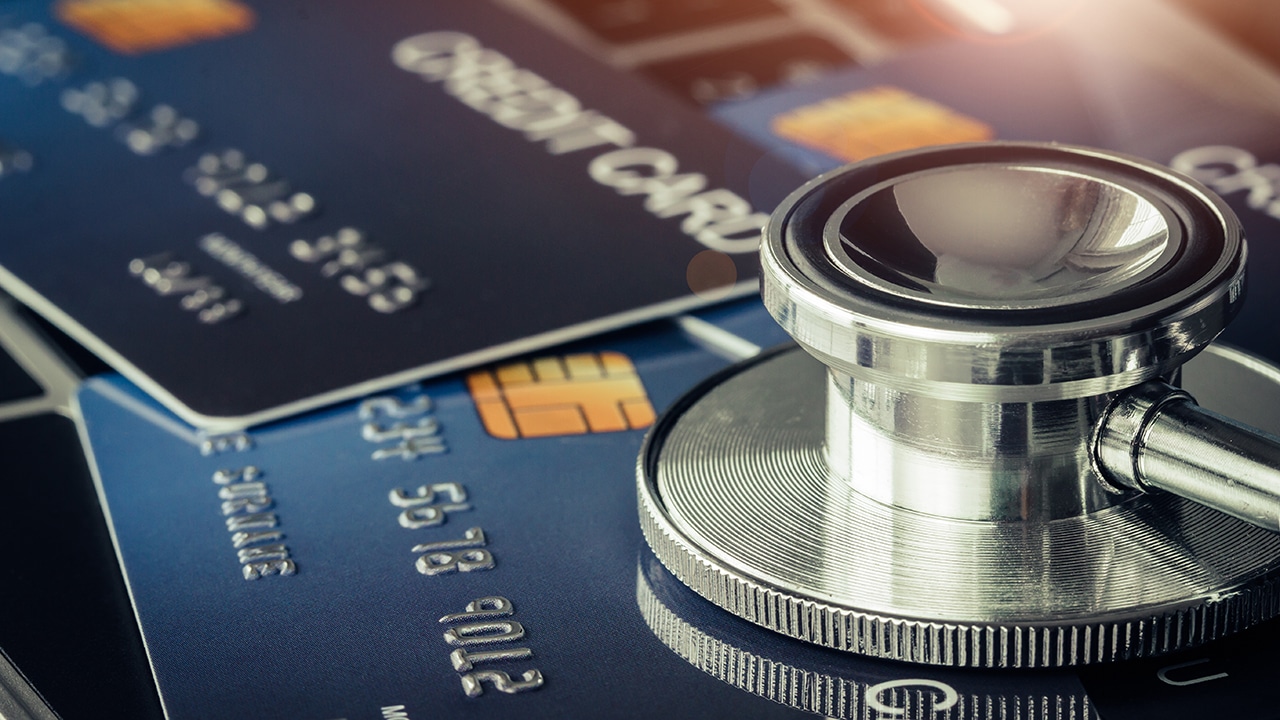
955, 645
832, 696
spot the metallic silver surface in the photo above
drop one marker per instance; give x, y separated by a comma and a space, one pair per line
836, 694
956, 471
1157, 437
1076, 315
974, 296
738, 501
463, 660
484, 632
967, 460
988, 235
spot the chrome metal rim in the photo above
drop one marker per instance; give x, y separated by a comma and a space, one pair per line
736, 501
1104, 342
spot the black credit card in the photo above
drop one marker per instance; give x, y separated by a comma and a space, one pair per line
251, 209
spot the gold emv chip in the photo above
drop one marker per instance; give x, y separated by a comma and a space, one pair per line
570, 395
877, 121
137, 26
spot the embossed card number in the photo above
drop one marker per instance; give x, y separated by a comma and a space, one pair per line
245, 189
238, 248
482, 635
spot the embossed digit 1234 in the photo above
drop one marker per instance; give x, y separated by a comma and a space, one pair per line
410, 425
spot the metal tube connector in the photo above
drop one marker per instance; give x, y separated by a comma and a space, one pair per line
1156, 436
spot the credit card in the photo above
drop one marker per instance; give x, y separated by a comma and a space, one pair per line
72, 635
951, 92
1080, 84
348, 563
251, 209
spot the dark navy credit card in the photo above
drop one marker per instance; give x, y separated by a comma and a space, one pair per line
466, 546
253, 208
1056, 89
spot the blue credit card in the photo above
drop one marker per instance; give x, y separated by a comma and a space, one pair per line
947, 92
353, 560
1057, 88
251, 209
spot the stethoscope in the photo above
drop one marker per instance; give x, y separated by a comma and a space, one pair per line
985, 451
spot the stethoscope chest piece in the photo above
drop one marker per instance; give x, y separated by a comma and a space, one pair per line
984, 451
